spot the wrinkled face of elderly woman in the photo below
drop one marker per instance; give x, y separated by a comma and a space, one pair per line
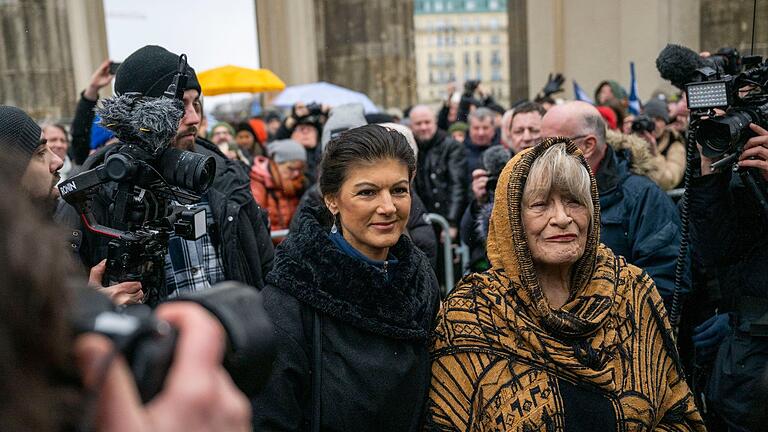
556, 209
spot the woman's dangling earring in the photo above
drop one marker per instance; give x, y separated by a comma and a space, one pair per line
334, 229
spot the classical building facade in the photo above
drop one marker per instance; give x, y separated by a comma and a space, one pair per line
461, 40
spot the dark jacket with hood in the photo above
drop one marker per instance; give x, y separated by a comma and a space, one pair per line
418, 228
440, 175
637, 219
373, 325
240, 232
474, 155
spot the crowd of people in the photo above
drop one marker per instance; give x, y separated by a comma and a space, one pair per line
560, 321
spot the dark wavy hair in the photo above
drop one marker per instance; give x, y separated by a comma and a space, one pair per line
39, 389
366, 144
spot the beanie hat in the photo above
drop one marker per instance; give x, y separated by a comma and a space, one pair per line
18, 132
341, 118
149, 71
618, 91
609, 116
99, 134
259, 129
379, 118
656, 108
407, 133
286, 150
226, 125
462, 127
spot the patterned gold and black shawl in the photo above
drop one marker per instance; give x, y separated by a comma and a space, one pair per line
503, 360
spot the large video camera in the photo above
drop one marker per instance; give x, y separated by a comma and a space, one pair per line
150, 186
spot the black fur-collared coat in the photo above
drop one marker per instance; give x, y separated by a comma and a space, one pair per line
374, 330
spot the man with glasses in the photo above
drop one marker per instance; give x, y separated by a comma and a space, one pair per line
637, 219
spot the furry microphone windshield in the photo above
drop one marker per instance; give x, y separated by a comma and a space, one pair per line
149, 122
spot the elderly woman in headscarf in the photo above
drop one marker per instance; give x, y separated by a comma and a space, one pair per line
560, 334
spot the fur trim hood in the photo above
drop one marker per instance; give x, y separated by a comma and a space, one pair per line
635, 150
310, 267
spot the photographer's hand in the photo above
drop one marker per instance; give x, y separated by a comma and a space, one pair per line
479, 181
755, 154
198, 394
100, 79
123, 293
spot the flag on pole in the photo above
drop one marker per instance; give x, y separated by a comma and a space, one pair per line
580, 94
634, 100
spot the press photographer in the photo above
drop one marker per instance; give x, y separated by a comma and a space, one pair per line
667, 146
728, 227
147, 177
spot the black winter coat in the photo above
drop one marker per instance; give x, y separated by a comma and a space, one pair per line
240, 233
374, 352
729, 235
418, 228
440, 175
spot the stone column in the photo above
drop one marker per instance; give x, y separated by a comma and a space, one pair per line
729, 24
287, 39
518, 50
368, 46
36, 72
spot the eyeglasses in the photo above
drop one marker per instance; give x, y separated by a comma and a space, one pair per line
577, 137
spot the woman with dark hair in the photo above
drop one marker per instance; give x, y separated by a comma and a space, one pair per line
353, 300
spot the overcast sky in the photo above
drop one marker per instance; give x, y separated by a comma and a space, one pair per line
211, 32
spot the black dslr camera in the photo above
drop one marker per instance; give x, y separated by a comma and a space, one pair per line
643, 123
148, 343
149, 185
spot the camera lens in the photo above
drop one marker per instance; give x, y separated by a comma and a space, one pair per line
187, 170
718, 135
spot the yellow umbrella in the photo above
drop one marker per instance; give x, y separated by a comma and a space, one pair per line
236, 79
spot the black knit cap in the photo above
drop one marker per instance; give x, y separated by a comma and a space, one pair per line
149, 71
18, 132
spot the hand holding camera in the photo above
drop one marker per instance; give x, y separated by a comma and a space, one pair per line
198, 393
755, 154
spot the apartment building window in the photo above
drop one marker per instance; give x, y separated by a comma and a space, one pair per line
478, 58
496, 74
493, 4
438, 6
466, 59
495, 39
495, 58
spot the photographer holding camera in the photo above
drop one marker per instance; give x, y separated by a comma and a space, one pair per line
728, 212
235, 245
729, 234
666, 145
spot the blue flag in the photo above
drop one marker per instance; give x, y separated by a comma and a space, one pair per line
580, 94
634, 99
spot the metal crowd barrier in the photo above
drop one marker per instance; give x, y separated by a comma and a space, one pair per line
462, 251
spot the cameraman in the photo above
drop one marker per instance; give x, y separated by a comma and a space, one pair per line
729, 235
237, 245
